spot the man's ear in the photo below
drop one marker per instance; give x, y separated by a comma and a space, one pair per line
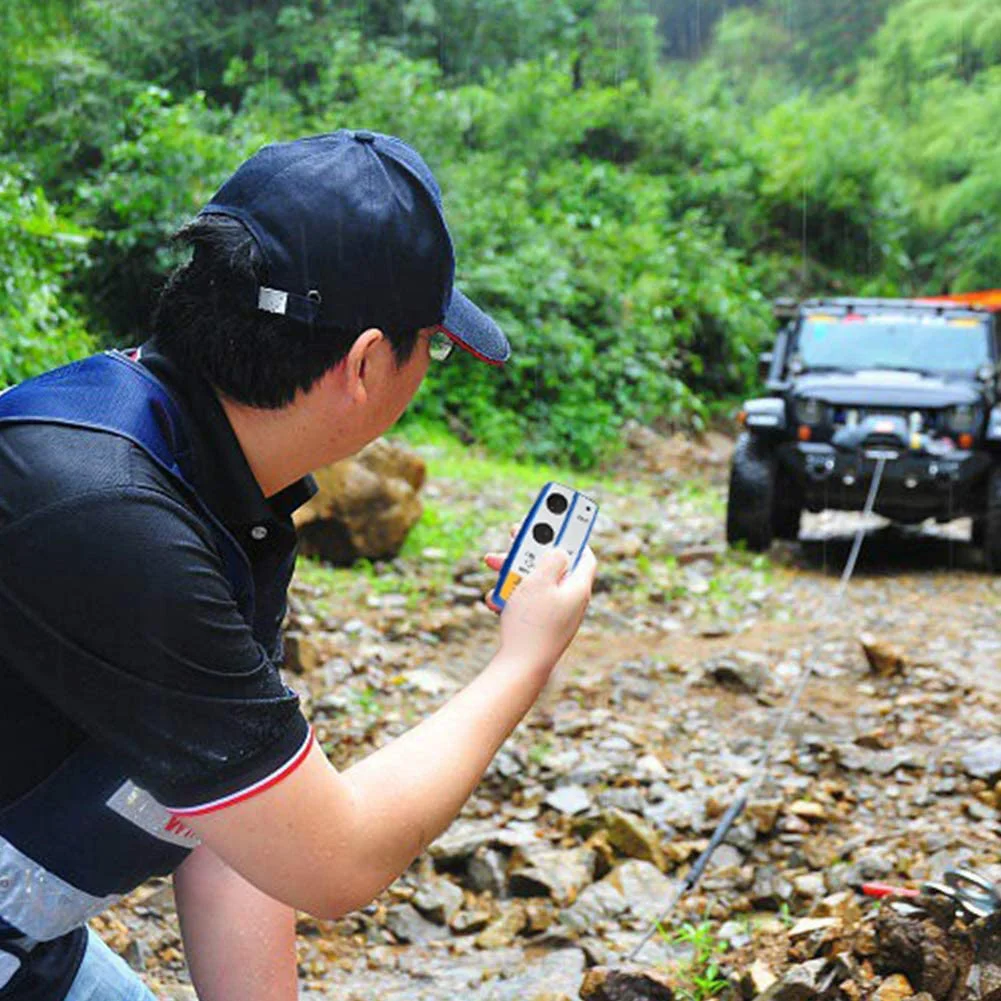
358, 364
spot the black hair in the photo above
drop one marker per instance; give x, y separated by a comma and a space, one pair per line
207, 322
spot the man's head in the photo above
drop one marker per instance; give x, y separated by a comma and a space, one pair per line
309, 244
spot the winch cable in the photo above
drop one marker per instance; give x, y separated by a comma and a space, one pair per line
761, 770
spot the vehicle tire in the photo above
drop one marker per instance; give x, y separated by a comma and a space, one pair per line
788, 510
992, 521
751, 500
978, 532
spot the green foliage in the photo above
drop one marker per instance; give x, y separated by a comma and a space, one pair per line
826, 187
38, 249
166, 161
700, 974
625, 219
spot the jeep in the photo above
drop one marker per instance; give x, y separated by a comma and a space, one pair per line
850, 381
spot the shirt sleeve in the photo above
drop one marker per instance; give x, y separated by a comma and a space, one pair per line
114, 606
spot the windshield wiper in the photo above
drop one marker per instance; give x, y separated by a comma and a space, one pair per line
906, 368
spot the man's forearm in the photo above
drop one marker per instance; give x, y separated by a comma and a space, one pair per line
238, 942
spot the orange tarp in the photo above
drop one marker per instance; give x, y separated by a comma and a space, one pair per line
988, 300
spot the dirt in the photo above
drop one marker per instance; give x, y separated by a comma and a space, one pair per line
636, 683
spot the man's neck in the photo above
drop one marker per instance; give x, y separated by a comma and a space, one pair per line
281, 446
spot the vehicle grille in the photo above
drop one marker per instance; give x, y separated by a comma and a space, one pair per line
930, 419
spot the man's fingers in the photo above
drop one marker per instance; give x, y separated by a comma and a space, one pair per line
554, 565
586, 566
495, 560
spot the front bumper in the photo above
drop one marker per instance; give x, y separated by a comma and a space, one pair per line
915, 484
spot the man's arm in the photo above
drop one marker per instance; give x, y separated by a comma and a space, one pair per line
328, 842
239, 943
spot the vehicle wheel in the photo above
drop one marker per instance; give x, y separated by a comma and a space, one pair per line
992, 521
979, 531
788, 510
750, 504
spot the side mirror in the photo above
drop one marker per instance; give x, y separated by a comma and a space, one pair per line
765, 360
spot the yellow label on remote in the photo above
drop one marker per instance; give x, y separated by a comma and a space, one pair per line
511, 582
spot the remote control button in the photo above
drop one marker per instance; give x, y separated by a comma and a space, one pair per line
557, 503
543, 534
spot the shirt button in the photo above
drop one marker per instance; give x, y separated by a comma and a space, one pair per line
259, 533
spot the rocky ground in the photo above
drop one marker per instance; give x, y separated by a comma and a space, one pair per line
603, 798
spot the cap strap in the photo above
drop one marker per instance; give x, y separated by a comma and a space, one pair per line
303, 308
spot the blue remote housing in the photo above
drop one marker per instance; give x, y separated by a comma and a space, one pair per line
560, 517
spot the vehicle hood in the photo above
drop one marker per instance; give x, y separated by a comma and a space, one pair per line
882, 388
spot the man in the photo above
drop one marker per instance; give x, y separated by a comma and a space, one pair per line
146, 549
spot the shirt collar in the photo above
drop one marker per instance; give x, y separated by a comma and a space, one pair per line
224, 478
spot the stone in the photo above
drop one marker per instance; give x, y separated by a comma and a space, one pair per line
486, 872
407, 925
301, 652
630, 799
801, 983
810, 885
894, 988
929, 957
884, 659
539, 916
649, 768
598, 903
428, 680
462, 839
764, 813
503, 931
469, 922
569, 799
756, 979
551, 872
770, 889
136, 954
438, 900
636, 887
807, 926
983, 760
365, 506
984, 979
807, 809
741, 670
633, 836
843, 905
603, 983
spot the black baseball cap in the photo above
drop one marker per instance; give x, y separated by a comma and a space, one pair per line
351, 228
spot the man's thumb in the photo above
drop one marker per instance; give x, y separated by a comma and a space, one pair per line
554, 565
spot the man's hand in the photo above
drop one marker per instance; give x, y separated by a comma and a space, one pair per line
542, 616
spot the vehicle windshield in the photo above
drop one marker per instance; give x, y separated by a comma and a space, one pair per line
854, 341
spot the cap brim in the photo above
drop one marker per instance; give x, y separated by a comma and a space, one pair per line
473, 330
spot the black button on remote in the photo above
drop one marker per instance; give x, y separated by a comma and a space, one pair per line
543, 534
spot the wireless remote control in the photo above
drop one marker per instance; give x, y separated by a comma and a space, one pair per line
561, 517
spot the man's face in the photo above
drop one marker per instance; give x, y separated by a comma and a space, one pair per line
394, 393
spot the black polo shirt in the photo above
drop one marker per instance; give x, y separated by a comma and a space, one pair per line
111, 586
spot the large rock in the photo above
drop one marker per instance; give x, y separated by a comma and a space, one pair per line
365, 506
929, 957
984, 980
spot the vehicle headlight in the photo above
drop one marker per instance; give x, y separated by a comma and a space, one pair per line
809, 411
961, 419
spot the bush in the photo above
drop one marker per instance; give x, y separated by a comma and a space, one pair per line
38, 248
